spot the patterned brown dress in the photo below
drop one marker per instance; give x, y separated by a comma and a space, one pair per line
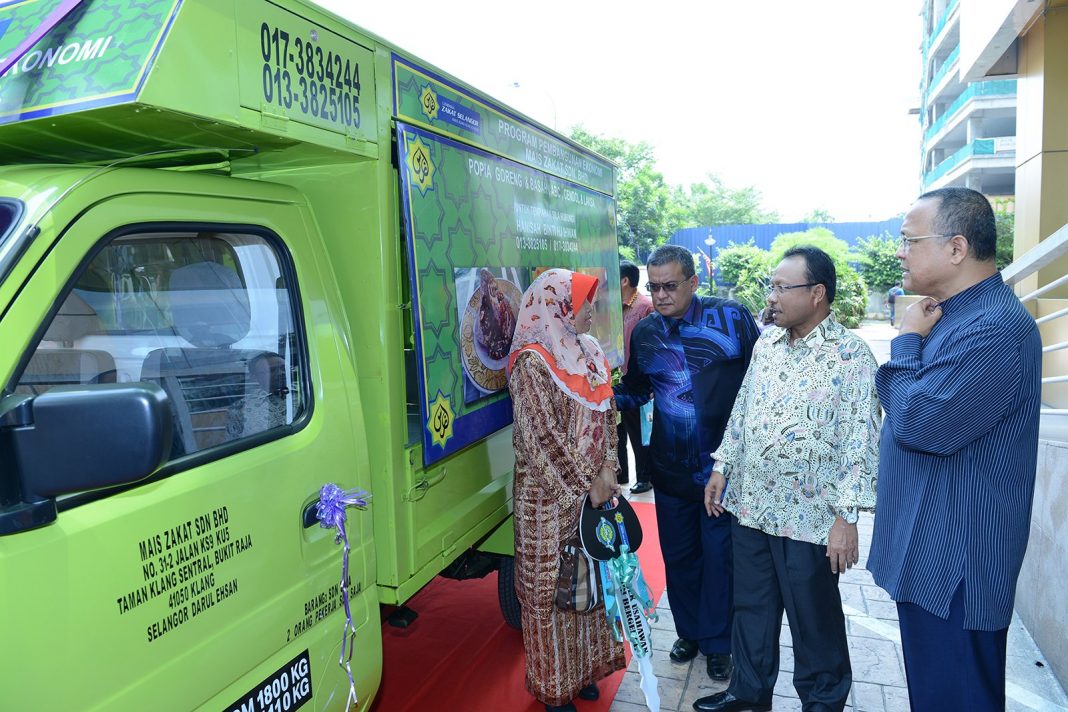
560, 447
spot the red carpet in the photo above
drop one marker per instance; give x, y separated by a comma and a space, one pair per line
459, 654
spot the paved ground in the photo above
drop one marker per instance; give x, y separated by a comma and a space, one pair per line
875, 649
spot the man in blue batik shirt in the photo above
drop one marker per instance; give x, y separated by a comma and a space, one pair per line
957, 455
692, 354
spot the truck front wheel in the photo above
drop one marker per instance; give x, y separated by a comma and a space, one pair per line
506, 592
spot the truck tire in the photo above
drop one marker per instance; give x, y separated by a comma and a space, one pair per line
506, 592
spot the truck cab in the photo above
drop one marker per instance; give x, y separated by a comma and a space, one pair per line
242, 251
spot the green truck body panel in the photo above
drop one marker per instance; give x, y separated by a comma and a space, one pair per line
261, 127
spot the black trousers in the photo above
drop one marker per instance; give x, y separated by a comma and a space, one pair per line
773, 574
630, 427
697, 565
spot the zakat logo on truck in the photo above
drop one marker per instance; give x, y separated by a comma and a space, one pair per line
62, 55
440, 422
428, 100
420, 165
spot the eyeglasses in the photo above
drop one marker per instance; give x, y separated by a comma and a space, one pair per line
781, 289
906, 242
654, 287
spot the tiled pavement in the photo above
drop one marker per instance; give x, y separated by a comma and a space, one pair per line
875, 650
875, 654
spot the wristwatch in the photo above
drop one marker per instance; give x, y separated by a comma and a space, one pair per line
850, 515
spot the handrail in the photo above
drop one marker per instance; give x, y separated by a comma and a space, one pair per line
1001, 87
1051, 317
941, 73
941, 24
978, 147
1042, 255
1042, 290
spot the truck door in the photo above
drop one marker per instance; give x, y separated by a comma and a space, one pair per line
209, 584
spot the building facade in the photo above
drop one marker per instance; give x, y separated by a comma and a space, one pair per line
968, 127
707, 241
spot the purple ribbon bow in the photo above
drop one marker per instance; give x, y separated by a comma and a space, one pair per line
333, 501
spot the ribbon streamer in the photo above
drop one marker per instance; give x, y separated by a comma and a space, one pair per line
333, 501
629, 606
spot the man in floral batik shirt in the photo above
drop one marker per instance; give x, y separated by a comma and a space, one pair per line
800, 454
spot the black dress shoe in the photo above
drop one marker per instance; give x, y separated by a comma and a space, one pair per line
589, 692
569, 707
683, 651
719, 666
640, 487
726, 702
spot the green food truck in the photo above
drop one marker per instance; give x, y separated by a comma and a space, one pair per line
248, 249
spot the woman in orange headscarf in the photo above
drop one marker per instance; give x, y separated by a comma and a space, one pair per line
565, 446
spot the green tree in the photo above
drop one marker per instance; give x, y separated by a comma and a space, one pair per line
819, 215
851, 300
630, 157
878, 261
649, 210
645, 212
713, 203
1006, 227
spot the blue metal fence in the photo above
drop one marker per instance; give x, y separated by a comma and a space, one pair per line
695, 239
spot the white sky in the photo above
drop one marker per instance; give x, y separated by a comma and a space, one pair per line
805, 100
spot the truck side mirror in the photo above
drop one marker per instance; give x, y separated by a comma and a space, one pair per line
74, 439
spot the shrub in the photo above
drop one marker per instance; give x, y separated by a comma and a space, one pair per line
735, 261
820, 237
1006, 229
879, 265
751, 291
851, 300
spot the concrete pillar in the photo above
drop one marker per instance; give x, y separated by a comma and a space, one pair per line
1042, 140
1041, 209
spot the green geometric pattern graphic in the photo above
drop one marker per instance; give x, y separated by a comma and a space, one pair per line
420, 99
483, 211
100, 51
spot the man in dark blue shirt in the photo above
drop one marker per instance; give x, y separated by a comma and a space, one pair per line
692, 354
957, 455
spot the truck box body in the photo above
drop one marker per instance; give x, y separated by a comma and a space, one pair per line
248, 243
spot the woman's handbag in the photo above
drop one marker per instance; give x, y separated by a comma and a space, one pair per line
578, 586
604, 530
